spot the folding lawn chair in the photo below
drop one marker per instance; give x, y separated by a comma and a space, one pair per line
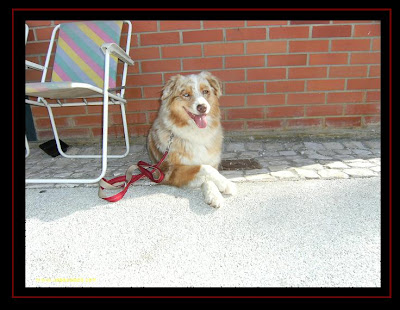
85, 66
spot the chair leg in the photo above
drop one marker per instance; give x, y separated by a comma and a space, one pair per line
27, 150
126, 134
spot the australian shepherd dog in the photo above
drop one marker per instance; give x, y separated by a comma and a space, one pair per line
189, 120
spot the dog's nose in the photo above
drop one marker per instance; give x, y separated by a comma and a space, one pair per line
201, 108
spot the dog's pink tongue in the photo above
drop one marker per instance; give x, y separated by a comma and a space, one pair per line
201, 120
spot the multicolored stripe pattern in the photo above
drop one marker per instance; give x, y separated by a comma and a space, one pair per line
79, 57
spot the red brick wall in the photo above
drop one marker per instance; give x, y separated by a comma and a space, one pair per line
276, 74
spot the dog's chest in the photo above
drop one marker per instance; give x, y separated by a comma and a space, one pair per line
199, 154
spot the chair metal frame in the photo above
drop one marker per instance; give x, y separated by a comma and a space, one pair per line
108, 98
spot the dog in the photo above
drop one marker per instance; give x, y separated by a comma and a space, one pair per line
188, 123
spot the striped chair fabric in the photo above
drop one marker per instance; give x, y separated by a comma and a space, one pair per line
79, 57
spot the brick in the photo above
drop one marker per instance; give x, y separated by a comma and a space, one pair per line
244, 88
308, 46
266, 74
330, 84
266, 22
285, 111
229, 75
145, 53
133, 92
307, 22
285, 86
223, 49
345, 97
362, 109
161, 65
152, 91
348, 71
376, 44
372, 120
351, 45
240, 34
365, 58
323, 110
33, 48
181, 51
38, 23
145, 79
329, 59
343, 121
88, 120
264, 124
373, 96
288, 32
44, 123
159, 38
374, 71
247, 113
312, 98
231, 101
222, 23
202, 36
144, 25
367, 83
331, 31
266, 47
373, 30
179, 24
286, 60
74, 132
244, 61
232, 125
43, 33
202, 63
264, 100
307, 72
304, 122
143, 105
131, 118
139, 130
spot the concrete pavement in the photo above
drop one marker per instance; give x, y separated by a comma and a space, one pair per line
308, 233
309, 217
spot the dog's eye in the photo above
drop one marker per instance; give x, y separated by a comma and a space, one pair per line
205, 92
186, 95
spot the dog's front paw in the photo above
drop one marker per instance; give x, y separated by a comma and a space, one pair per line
230, 188
212, 196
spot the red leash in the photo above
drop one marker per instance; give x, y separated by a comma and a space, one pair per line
128, 179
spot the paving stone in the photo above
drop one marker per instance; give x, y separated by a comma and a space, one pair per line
314, 146
353, 145
285, 174
235, 147
337, 165
287, 153
314, 167
332, 174
260, 177
359, 172
361, 152
333, 145
254, 146
361, 164
307, 173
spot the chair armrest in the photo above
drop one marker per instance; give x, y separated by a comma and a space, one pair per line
32, 65
118, 52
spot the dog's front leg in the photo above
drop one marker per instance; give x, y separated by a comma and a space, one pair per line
224, 185
212, 196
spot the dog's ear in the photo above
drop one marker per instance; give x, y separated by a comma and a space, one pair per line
169, 87
215, 83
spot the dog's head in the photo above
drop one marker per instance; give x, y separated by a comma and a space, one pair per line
192, 100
